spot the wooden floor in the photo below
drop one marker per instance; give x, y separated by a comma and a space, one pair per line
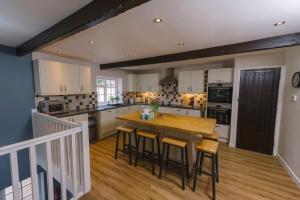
243, 175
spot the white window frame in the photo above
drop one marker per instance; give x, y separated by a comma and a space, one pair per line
117, 93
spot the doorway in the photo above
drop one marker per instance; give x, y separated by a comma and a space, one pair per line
258, 95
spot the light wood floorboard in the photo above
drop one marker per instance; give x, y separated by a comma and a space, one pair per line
244, 175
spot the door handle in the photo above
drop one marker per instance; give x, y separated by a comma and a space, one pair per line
65, 88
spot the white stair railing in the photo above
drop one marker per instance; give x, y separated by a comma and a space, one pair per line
62, 149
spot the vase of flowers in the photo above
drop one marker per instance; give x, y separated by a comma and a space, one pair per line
155, 105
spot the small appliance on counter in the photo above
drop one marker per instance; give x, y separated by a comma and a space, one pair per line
53, 107
137, 100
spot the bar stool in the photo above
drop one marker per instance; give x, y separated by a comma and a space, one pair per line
150, 136
207, 147
214, 136
126, 131
167, 142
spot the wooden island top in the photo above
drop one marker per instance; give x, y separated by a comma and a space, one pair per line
191, 125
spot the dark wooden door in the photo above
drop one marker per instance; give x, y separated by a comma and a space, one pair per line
257, 109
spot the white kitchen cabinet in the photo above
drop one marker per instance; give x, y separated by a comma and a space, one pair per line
131, 83
77, 118
194, 113
221, 75
70, 79
147, 82
165, 110
224, 131
107, 123
183, 81
48, 77
191, 81
123, 110
85, 80
197, 81
179, 111
55, 78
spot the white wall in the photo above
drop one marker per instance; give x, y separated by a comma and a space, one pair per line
248, 61
289, 143
95, 69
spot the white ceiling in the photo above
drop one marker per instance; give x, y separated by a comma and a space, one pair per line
20, 20
198, 23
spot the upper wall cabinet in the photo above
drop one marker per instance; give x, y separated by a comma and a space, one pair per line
143, 83
223, 75
191, 81
85, 80
55, 78
131, 82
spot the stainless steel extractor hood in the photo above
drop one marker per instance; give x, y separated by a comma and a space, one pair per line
170, 78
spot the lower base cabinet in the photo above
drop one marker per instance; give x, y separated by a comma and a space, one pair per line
224, 132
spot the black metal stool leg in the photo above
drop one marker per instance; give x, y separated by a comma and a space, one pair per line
213, 177
187, 162
117, 144
124, 142
201, 162
182, 169
162, 160
136, 138
167, 158
137, 150
129, 147
158, 150
196, 170
217, 167
152, 157
144, 147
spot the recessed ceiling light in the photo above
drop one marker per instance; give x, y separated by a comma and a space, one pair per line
92, 42
279, 23
60, 52
157, 20
180, 43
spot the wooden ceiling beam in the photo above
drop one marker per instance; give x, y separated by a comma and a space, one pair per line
250, 46
90, 15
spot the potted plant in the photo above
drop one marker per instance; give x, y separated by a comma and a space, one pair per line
155, 105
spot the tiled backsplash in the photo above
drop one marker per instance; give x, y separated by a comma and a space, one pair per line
169, 96
75, 102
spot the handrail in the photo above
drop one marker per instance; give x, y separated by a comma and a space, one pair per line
36, 141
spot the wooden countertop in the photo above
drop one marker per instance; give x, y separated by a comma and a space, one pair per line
192, 125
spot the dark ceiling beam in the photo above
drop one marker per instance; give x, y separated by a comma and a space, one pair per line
7, 49
90, 15
250, 46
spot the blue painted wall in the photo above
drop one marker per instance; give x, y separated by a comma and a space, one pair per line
16, 102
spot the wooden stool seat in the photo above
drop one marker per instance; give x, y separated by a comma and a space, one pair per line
167, 142
147, 134
174, 142
152, 136
208, 146
125, 129
214, 136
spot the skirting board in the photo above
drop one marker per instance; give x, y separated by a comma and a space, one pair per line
290, 171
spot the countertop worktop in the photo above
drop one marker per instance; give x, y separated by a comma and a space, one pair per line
109, 107
187, 124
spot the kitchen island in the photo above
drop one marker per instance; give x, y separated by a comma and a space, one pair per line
187, 128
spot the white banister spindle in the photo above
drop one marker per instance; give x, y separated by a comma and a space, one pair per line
74, 165
14, 170
49, 171
86, 157
33, 172
63, 169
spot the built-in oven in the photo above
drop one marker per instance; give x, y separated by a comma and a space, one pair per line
220, 92
220, 112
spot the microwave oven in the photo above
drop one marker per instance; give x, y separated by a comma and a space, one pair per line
53, 107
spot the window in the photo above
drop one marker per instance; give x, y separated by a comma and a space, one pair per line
107, 87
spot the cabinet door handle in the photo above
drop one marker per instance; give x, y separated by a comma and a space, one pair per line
65, 88
191, 89
61, 89
81, 88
